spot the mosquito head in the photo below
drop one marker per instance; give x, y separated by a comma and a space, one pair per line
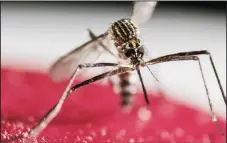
134, 51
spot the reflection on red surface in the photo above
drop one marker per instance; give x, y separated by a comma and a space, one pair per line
93, 114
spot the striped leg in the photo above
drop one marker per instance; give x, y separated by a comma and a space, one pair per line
202, 52
56, 108
188, 56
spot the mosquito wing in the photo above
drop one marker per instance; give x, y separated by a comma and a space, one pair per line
142, 11
89, 52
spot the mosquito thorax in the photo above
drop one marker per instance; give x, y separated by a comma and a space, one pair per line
123, 31
125, 36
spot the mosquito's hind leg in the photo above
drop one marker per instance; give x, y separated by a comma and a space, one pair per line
56, 108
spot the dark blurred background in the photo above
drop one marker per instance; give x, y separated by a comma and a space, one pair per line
217, 5
199, 4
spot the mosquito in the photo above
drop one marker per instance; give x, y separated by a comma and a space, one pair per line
130, 52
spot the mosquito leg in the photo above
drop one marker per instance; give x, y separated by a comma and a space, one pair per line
101, 76
92, 36
56, 108
214, 118
144, 89
169, 58
204, 52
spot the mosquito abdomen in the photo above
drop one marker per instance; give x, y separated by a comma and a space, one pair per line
125, 88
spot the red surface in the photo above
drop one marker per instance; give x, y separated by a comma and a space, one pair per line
93, 114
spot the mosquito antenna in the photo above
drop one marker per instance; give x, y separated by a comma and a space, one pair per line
151, 72
144, 89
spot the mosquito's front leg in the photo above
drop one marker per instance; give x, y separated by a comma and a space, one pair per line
203, 52
181, 57
56, 108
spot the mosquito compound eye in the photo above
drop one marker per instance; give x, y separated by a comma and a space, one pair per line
129, 52
130, 45
137, 44
141, 51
